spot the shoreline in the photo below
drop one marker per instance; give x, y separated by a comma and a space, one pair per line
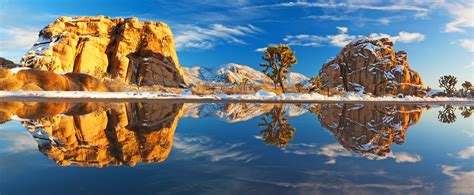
82, 96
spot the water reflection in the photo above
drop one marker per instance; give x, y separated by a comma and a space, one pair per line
99, 134
448, 115
368, 129
277, 130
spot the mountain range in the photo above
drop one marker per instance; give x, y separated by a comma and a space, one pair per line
233, 73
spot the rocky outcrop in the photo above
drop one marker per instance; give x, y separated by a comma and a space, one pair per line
368, 129
4, 63
372, 66
38, 80
99, 135
141, 53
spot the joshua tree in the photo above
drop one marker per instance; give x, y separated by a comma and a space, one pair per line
448, 82
278, 59
277, 130
299, 86
467, 86
316, 83
447, 115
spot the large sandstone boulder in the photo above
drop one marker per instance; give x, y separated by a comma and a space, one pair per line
372, 66
141, 53
38, 80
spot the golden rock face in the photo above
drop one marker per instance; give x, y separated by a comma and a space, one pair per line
369, 129
38, 80
124, 134
136, 52
374, 66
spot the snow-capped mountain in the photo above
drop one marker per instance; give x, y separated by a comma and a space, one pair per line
234, 73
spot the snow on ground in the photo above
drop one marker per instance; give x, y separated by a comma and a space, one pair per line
258, 96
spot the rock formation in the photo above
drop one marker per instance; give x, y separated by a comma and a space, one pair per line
368, 129
119, 134
38, 80
4, 63
372, 66
141, 53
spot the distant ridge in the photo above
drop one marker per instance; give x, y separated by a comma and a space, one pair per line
232, 73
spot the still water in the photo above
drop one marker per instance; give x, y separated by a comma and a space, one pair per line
189, 148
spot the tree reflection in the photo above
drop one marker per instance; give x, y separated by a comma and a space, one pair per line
277, 129
467, 111
447, 115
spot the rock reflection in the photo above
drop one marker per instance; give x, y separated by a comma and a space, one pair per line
368, 129
278, 131
95, 135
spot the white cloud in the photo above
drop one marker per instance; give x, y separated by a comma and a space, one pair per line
470, 66
18, 38
404, 37
463, 15
342, 29
408, 37
261, 49
17, 142
15, 41
348, 5
305, 40
189, 36
462, 181
343, 38
205, 148
467, 44
466, 153
349, 18
403, 157
336, 150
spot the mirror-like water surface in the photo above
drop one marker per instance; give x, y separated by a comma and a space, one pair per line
147, 148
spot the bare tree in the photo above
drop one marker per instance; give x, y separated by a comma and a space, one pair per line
278, 59
448, 82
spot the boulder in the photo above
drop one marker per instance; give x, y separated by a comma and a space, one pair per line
39, 80
141, 53
7, 63
372, 66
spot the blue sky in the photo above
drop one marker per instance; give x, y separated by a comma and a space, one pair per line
438, 35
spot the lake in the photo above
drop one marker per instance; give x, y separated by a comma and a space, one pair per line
240, 148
